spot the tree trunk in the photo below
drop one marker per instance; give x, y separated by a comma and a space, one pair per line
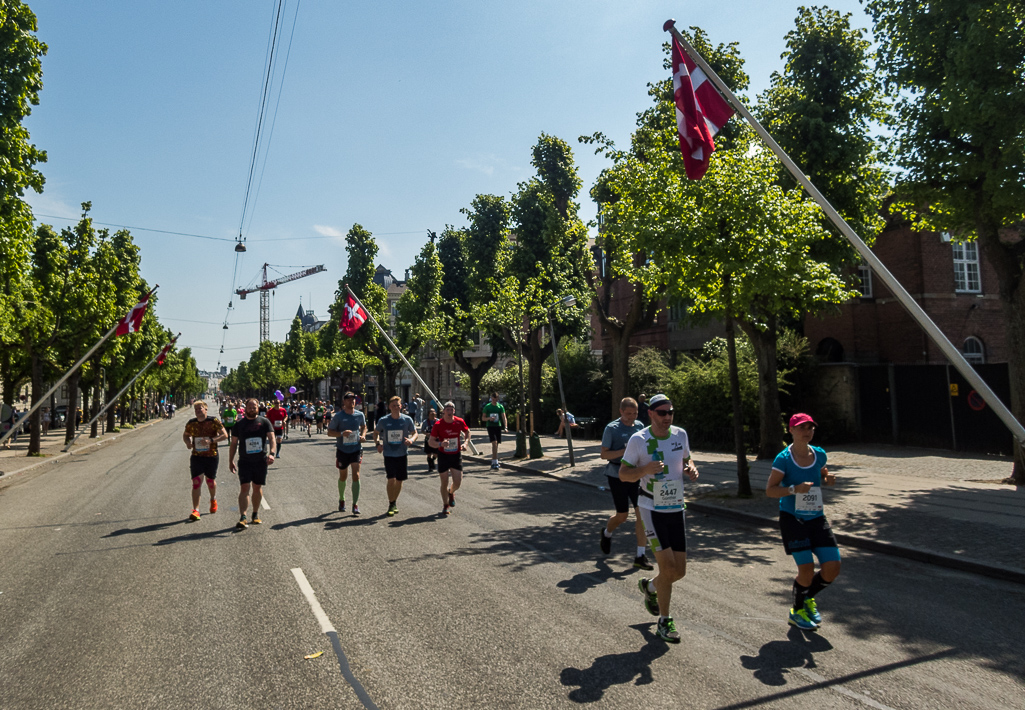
535, 361
476, 374
95, 409
620, 370
770, 427
743, 479
111, 391
37, 392
69, 427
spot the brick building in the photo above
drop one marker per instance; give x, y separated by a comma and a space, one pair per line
953, 283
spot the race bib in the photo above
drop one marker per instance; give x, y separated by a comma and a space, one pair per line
254, 445
350, 438
395, 436
279, 424
494, 417
810, 502
452, 446
668, 494
201, 443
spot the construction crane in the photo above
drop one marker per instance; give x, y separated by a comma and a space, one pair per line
265, 287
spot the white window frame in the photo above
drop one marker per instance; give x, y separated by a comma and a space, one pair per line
974, 356
967, 277
865, 280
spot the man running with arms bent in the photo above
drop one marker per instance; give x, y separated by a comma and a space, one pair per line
446, 437
257, 453
349, 427
201, 435
393, 435
658, 457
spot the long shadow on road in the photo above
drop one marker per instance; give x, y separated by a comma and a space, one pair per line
634, 667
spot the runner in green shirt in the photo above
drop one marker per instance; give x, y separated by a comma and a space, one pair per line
494, 419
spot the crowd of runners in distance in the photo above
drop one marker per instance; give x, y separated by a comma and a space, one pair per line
647, 465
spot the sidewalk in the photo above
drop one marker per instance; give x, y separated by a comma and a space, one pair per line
15, 461
924, 504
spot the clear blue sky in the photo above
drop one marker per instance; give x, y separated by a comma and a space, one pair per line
393, 115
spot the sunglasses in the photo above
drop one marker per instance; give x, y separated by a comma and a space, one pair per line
662, 412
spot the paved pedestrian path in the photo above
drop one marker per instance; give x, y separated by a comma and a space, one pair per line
935, 506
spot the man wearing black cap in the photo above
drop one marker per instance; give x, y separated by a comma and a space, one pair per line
659, 457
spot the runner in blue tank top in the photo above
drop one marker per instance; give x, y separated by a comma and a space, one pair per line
797, 477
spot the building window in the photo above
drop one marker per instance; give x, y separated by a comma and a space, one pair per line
865, 281
966, 267
973, 350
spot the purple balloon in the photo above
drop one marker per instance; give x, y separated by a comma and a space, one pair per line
291, 390
277, 393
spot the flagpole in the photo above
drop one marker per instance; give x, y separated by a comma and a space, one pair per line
921, 317
473, 449
116, 397
66, 375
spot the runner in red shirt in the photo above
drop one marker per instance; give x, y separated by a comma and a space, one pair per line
277, 417
449, 436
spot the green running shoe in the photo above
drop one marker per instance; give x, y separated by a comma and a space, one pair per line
800, 619
666, 630
650, 598
812, 610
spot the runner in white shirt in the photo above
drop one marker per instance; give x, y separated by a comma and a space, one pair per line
659, 457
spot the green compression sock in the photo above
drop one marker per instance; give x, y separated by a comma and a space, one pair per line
355, 492
341, 490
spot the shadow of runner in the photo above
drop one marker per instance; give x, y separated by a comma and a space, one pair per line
615, 669
301, 521
776, 657
146, 528
225, 532
580, 583
400, 522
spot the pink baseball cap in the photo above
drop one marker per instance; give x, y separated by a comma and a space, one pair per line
799, 419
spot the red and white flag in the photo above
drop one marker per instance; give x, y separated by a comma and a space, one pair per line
700, 112
353, 316
167, 349
132, 322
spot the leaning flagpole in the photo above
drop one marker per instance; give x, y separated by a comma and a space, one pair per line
921, 317
473, 449
116, 397
66, 375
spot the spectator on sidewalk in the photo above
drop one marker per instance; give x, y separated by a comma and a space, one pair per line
565, 420
642, 409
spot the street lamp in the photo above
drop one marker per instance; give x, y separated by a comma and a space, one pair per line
567, 302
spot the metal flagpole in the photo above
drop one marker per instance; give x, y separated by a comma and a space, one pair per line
909, 303
116, 397
473, 449
66, 375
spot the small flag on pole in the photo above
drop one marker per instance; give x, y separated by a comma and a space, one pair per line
167, 349
132, 322
700, 112
353, 316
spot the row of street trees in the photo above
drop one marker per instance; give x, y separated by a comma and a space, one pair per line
742, 246
61, 291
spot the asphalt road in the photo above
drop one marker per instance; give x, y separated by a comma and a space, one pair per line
108, 598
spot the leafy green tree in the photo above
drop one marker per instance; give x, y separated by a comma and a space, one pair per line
957, 68
21, 79
418, 318
822, 110
623, 273
547, 261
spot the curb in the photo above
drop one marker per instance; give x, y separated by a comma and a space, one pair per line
938, 559
4, 477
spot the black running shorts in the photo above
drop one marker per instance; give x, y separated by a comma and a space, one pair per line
344, 459
624, 495
396, 467
495, 434
203, 466
800, 535
430, 450
665, 531
447, 461
253, 471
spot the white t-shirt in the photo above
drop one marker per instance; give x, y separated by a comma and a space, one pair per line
661, 492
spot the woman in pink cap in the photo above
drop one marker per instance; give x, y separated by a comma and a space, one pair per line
797, 477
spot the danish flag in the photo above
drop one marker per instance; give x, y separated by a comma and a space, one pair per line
132, 322
700, 112
353, 316
167, 349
